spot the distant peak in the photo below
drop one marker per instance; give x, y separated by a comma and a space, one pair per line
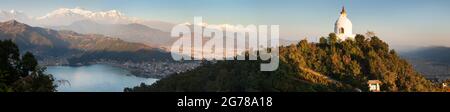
13, 22
13, 25
84, 13
74, 10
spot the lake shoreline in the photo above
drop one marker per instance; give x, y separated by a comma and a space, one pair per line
153, 69
96, 78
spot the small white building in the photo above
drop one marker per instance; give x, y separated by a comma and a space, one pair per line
374, 85
343, 27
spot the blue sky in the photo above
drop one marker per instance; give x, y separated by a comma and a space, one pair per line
399, 22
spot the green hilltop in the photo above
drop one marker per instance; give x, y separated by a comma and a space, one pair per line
330, 65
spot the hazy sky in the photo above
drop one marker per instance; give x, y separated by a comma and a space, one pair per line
399, 22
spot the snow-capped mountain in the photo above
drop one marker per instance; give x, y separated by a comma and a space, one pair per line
66, 16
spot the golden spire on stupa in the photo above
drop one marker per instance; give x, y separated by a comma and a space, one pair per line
343, 12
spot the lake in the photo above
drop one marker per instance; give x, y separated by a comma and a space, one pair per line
95, 78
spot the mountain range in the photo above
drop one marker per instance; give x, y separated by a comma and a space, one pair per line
111, 23
45, 43
132, 32
66, 16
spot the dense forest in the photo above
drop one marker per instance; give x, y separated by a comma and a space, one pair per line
21, 73
330, 65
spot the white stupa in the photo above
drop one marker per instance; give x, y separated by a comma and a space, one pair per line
343, 26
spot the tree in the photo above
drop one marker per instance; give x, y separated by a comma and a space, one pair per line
29, 64
22, 74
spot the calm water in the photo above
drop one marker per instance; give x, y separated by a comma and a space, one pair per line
95, 78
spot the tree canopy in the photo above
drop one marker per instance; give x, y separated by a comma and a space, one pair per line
21, 74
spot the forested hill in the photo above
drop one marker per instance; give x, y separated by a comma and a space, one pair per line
328, 66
